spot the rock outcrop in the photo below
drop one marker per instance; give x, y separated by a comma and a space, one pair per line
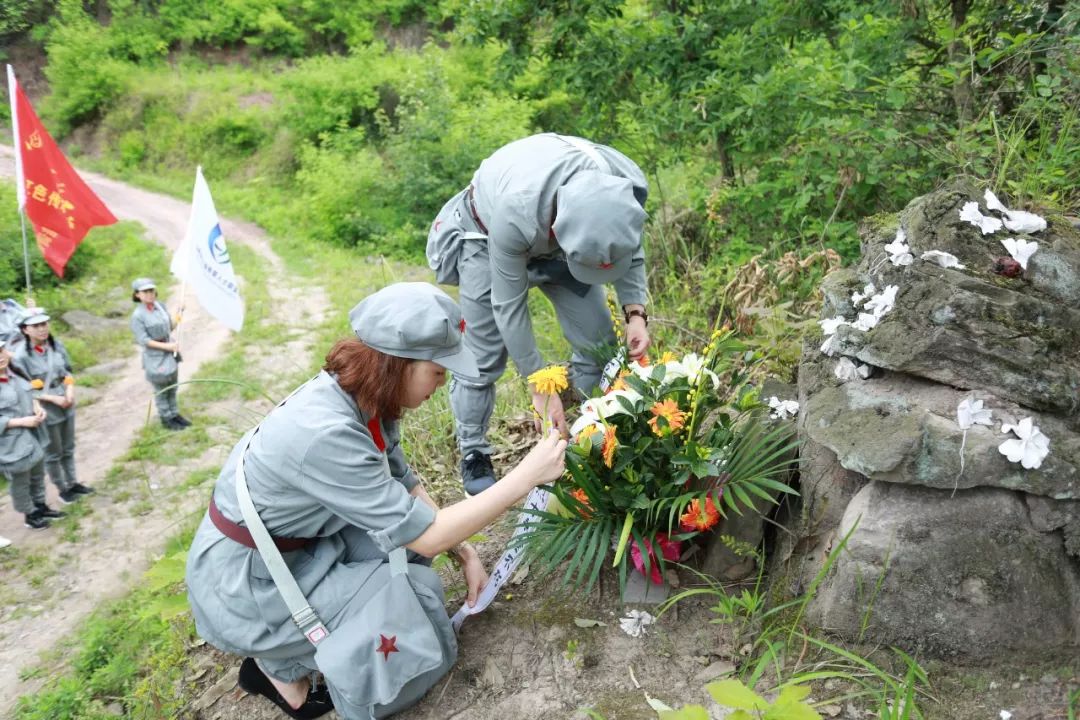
968, 560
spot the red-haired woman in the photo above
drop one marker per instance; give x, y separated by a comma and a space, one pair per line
328, 479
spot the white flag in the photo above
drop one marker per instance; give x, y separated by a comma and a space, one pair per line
202, 260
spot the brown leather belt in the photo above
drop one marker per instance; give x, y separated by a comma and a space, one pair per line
242, 535
472, 210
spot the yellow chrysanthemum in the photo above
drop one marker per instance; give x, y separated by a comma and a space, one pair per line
607, 450
550, 380
669, 410
586, 434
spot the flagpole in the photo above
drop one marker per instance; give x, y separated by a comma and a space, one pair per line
20, 189
183, 280
25, 250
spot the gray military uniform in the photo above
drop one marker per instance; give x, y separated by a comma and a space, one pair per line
21, 454
314, 471
514, 196
160, 366
51, 365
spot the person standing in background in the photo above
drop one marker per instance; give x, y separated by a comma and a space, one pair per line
45, 361
22, 458
152, 326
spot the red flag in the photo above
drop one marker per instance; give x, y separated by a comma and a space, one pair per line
61, 207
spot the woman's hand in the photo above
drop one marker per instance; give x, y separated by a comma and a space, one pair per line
476, 576
552, 406
546, 462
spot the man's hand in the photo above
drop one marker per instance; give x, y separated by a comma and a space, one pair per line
551, 406
637, 337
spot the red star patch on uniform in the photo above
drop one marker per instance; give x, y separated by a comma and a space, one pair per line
387, 646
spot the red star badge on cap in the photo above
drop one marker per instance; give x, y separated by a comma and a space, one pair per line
461, 325
387, 646
606, 266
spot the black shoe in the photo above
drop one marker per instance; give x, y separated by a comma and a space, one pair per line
45, 511
80, 489
182, 420
69, 496
477, 474
172, 424
253, 681
35, 521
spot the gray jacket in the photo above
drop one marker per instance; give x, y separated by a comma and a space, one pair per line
20, 447
514, 191
314, 471
51, 365
154, 325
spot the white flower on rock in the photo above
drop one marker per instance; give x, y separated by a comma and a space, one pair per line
831, 345
1020, 221
882, 302
944, 259
970, 412
1031, 447
783, 409
829, 325
635, 622
858, 297
970, 213
899, 252
866, 322
1020, 249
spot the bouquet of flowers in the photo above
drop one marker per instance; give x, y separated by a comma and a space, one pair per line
656, 460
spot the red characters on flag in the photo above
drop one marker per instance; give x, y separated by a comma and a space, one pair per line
61, 207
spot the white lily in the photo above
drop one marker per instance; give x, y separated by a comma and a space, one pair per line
693, 366
867, 291
970, 412
1020, 221
783, 409
607, 405
831, 345
642, 371
866, 322
587, 418
944, 259
829, 325
882, 302
1020, 249
970, 213
899, 252
1029, 448
845, 370
635, 622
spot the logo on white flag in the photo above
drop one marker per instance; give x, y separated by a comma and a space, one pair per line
218, 251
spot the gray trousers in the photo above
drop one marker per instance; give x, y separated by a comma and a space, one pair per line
290, 663
27, 488
165, 395
60, 453
584, 319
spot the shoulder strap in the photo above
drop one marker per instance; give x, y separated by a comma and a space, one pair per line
305, 617
589, 149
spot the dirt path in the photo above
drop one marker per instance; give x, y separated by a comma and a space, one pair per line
114, 548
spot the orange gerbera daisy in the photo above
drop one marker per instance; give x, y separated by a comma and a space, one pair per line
669, 410
608, 448
698, 518
579, 495
643, 361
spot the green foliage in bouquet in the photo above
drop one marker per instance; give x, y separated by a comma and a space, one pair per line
658, 459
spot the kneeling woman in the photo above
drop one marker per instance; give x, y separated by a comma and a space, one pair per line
152, 326
328, 479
